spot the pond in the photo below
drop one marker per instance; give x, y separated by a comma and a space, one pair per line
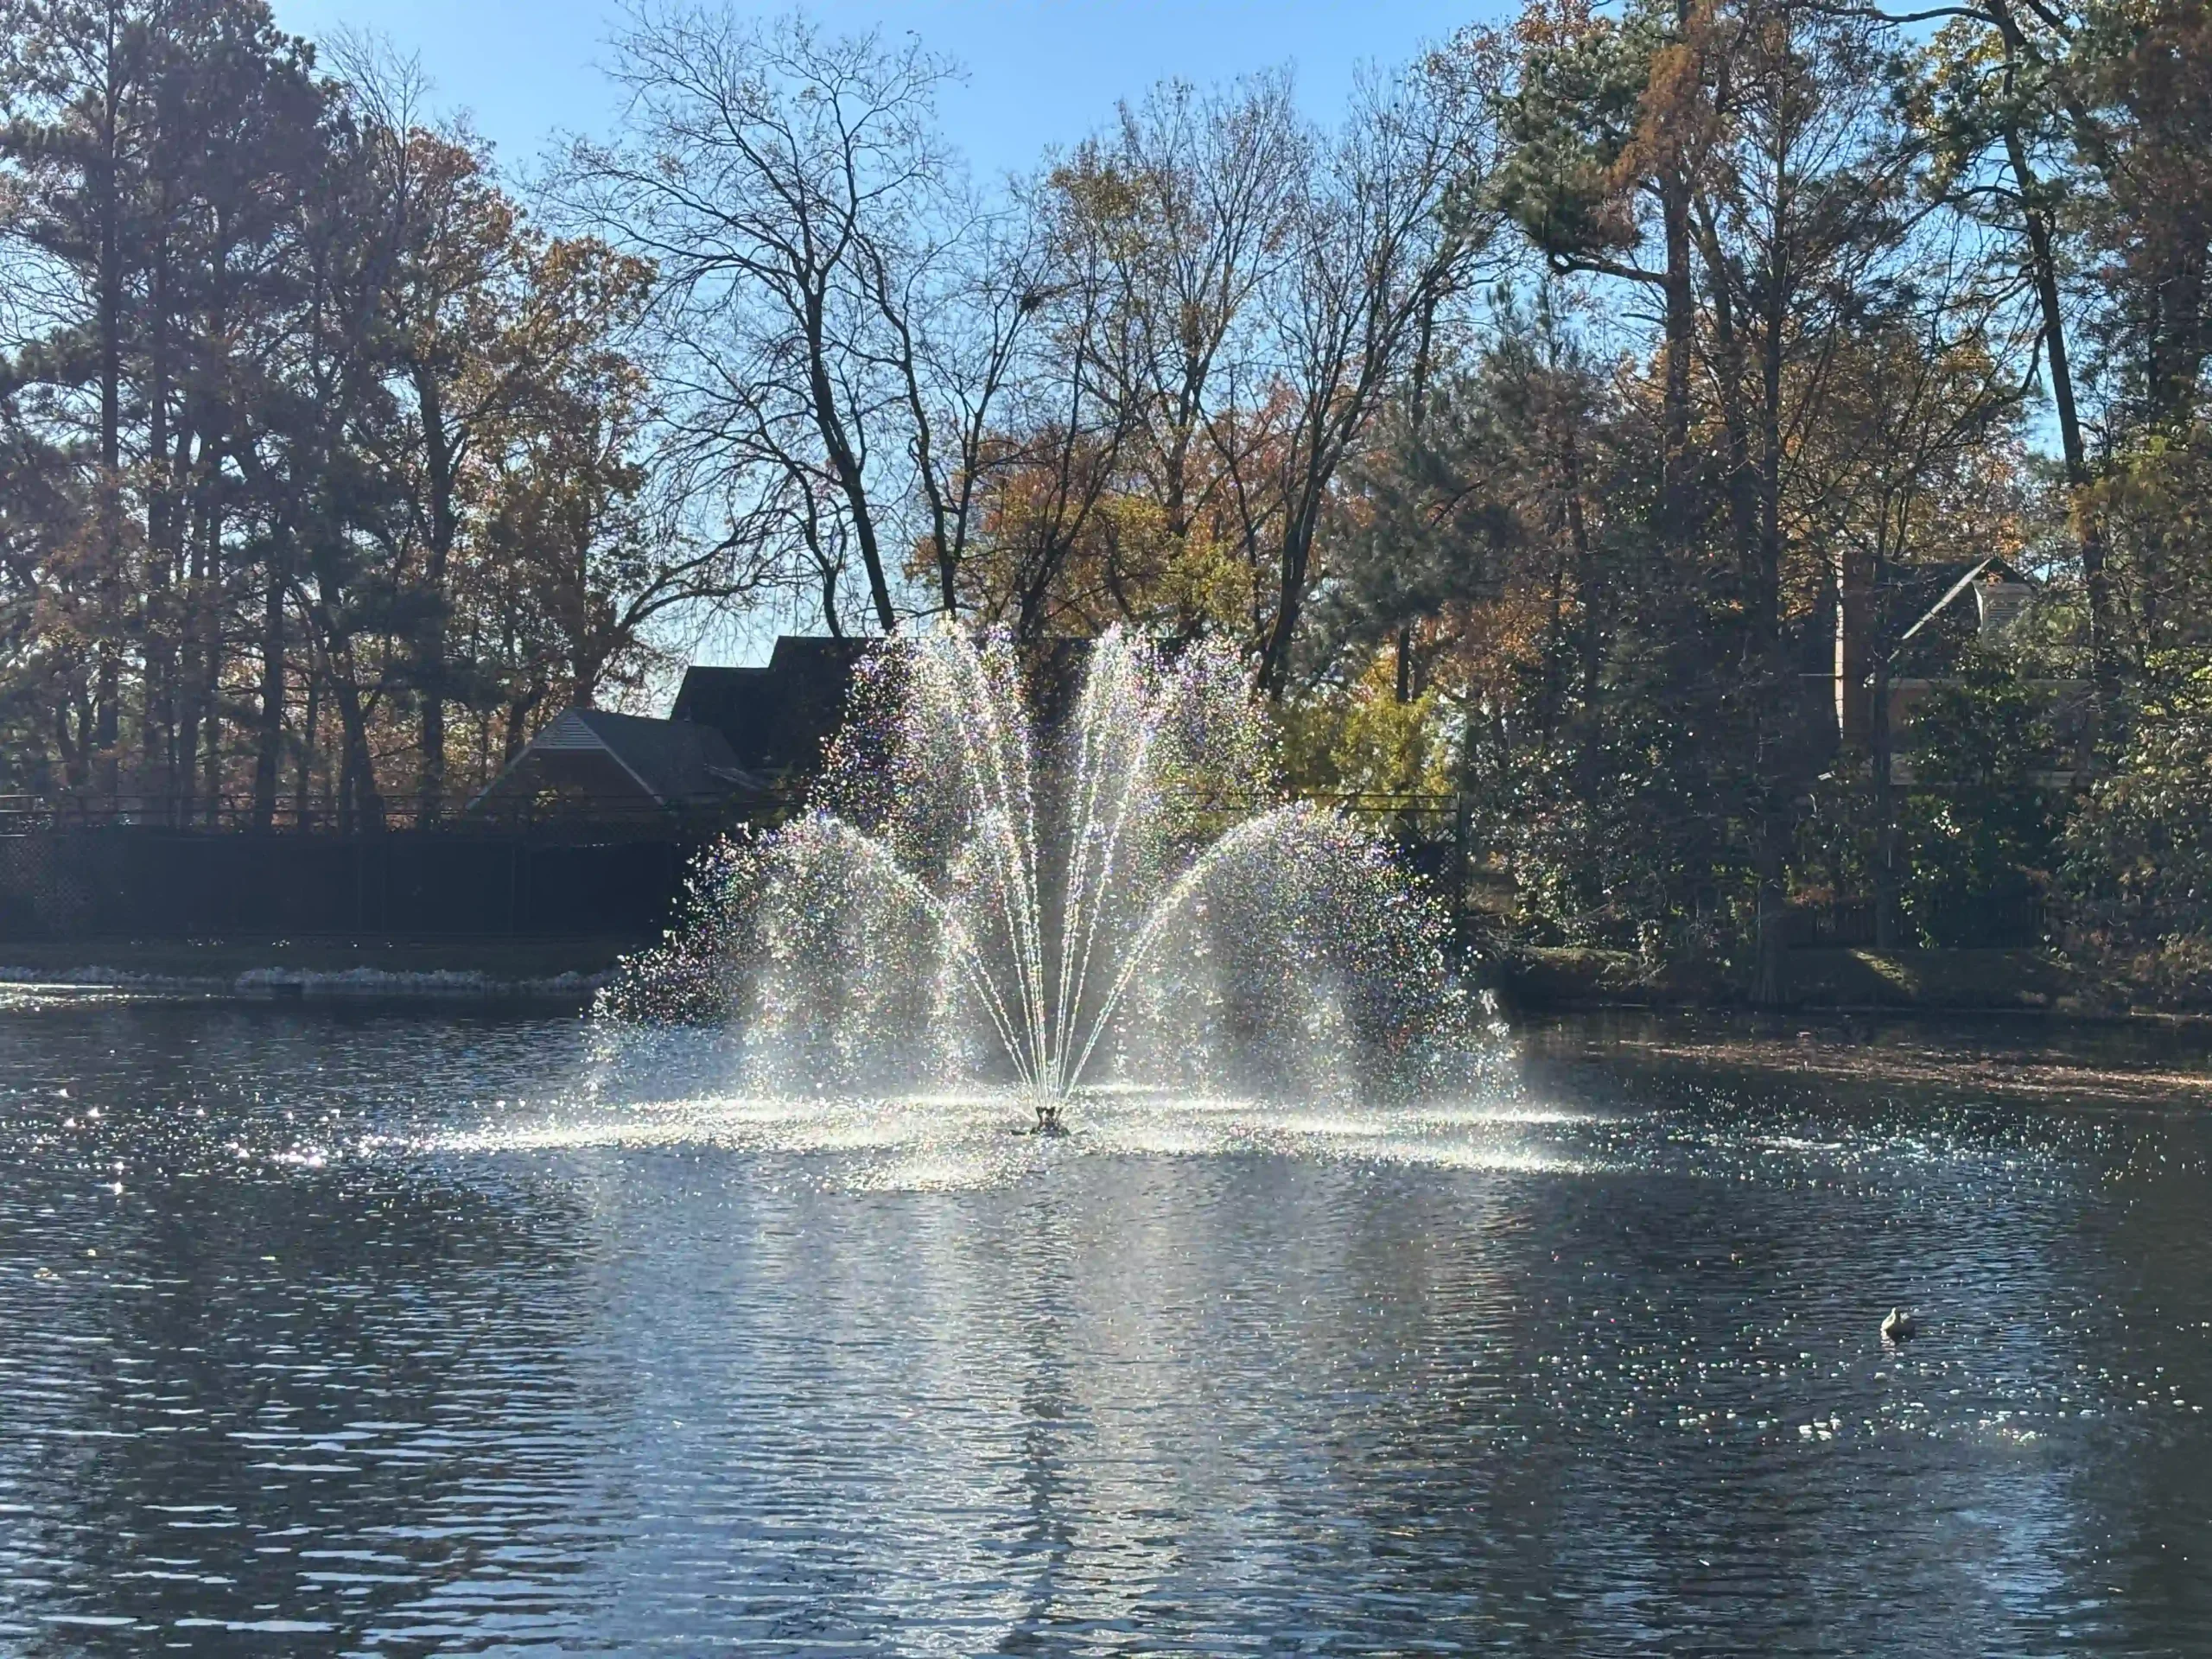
369, 1330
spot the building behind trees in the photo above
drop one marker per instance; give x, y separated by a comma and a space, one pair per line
1562, 432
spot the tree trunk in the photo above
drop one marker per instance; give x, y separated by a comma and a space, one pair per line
1778, 711
1590, 600
269, 754
430, 641
2044, 263
1770, 980
1290, 594
303, 779
1677, 496
365, 805
1679, 337
158, 694
211, 783
517, 734
108, 305
1889, 899
845, 466
201, 720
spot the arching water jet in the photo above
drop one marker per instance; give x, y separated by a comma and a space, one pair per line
978, 889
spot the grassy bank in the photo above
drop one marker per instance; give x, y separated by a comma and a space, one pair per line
1944, 981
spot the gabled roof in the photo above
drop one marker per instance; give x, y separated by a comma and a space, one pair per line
777, 718
674, 761
667, 763
1951, 579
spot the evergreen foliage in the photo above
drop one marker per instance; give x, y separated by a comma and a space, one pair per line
1576, 433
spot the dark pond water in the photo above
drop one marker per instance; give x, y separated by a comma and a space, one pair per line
380, 1333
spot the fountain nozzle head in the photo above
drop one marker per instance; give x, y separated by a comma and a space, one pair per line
1048, 1117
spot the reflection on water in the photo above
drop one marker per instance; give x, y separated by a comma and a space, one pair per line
355, 1332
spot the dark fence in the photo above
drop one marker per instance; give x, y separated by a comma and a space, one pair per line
127, 869
570, 816
1815, 926
1989, 922
139, 882
67, 875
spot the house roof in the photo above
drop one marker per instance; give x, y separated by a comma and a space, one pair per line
674, 760
666, 763
1948, 581
780, 717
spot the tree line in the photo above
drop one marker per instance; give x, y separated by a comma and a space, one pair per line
324, 465
1561, 428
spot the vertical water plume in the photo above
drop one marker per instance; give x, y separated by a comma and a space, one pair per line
1027, 878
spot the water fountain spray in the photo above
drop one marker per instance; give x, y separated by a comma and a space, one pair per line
1005, 874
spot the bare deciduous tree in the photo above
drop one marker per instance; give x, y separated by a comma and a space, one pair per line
1389, 224
828, 351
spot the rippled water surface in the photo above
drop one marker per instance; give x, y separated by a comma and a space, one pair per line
369, 1332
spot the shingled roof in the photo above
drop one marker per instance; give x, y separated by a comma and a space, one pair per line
1934, 588
776, 719
590, 760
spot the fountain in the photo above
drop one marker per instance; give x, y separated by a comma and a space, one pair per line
1048, 887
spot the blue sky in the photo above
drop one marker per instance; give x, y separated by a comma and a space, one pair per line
1041, 72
